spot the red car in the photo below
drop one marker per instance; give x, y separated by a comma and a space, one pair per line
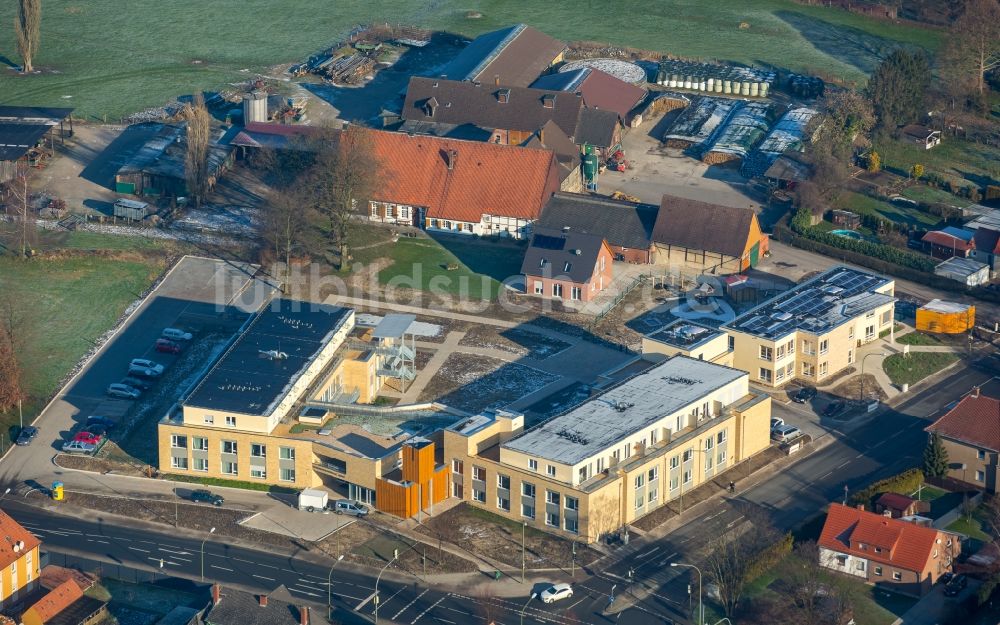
167, 347
87, 437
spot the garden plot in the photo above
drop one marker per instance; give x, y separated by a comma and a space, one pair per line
514, 341
477, 383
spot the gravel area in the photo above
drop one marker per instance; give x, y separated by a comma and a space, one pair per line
516, 341
499, 539
476, 383
98, 465
851, 389
371, 545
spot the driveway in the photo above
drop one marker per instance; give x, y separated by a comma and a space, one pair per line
82, 173
934, 608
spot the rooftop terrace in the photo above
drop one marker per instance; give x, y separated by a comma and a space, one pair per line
684, 334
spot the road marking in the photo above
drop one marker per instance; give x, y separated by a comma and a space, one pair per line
137, 549
643, 555
843, 464
407, 606
242, 560
300, 591
180, 553
443, 620
429, 608
576, 604
270, 579
822, 477
103, 542
221, 568
358, 607
719, 513
163, 562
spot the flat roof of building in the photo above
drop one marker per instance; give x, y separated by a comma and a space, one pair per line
261, 366
960, 266
684, 334
817, 305
393, 326
630, 407
941, 306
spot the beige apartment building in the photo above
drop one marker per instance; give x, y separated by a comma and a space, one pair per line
614, 458
689, 339
813, 330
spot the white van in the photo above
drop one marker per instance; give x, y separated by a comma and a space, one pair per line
313, 499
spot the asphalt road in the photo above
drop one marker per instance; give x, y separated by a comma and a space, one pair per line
889, 443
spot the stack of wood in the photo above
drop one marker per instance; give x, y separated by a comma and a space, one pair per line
718, 158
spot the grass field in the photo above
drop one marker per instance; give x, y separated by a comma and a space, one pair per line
911, 368
963, 162
108, 58
70, 303
918, 338
864, 205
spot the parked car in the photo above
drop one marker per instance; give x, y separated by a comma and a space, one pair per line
834, 408
78, 447
94, 421
176, 335
776, 422
137, 383
206, 496
946, 577
556, 592
348, 507
27, 434
142, 372
124, 392
804, 394
147, 364
955, 585
165, 346
785, 433
91, 438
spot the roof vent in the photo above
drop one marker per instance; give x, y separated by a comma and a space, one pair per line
549, 101
565, 228
503, 96
273, 354
578, 251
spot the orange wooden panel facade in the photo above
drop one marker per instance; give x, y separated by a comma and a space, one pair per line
420, 481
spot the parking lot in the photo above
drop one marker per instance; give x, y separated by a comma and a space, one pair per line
197, 294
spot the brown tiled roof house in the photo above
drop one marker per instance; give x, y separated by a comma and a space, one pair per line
513, 56
970, 433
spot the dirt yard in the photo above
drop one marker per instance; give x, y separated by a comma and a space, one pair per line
851, 388
476, 383
499, 539
516, 341
368, 544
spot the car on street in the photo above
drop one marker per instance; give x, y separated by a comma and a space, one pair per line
136, 383
142, 372
94, 421
946, 577
955, 585
804, 394
175, 334
27, 434
203, 495
146, 364
348, 507
785, 433
123, 392
556, 592
165, 346
834, 408
776, 422
78, 447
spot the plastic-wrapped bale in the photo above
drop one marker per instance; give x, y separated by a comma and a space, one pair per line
744, 88
687, 82
754, 89
727, 86
763, 89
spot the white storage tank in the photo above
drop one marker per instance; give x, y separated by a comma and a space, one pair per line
255, 107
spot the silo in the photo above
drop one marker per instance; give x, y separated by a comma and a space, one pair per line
727, 86
755, 89
254, 107
744, 88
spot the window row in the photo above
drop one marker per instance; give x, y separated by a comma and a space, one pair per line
257, 450
230, 469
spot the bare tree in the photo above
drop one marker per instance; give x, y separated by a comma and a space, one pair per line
286, 227
196, 159
343, 179
20, 193
974, 45
732, 557
27, 29
806, 581
490, 607
11, 376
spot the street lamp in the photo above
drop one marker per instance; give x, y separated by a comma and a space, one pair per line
524, 524
526, 607
329, 587
701, 604
394, 557
210, 532
862, 397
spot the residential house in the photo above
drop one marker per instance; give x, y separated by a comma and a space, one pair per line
950, 242
895, 505
278, 607
921, 135
626, 226
598, 89
812, 331
898, 555
566, 265
513, 56
970, 432
987, 242
19, 563
65, 604
23, 134
705, 237
615, 458
461, 187
965, 270
690, 339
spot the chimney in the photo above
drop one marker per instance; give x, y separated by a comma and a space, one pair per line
303, 615
548, 101
216, 594
861, 507
503, 96
496, 79
975, 392
263, 600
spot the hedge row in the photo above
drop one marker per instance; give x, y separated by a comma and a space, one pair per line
886, 253
771, 555
903, 483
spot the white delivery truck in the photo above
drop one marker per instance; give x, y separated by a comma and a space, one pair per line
313, 500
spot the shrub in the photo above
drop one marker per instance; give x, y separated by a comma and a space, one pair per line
986, 590
874, 162
992, 192
770, 557
903, 483
917, 171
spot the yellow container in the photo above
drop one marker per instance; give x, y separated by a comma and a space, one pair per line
57, 491
945, 317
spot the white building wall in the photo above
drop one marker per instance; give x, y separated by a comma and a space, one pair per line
843, 563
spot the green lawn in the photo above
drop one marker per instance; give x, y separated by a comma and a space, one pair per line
930, 493
70, 303
973, 528
108, 58
964, 162
918, 338
865, 205
930, 195
913, 367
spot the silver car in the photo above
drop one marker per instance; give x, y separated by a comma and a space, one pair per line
556, 592
348, 507
175, 335
78, 447
122, 391
142, 363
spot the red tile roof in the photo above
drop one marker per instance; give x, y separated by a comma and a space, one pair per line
894, 501
57, 600
485, 178
975, 421
902, 544
944, 239
11, 534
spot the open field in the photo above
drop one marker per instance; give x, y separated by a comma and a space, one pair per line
73, 301
899, 213
963, 162
108, 58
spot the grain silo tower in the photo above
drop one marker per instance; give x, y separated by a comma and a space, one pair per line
255, 107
